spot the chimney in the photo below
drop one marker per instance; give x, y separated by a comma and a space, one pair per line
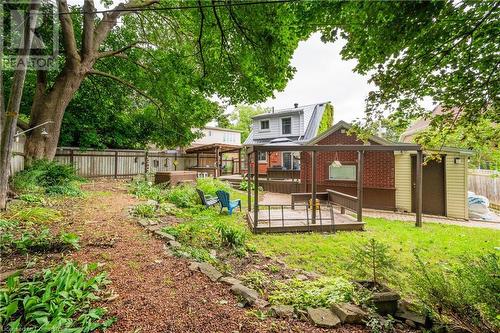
296, 105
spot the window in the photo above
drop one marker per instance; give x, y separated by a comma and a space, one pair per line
262, 156
286, 126
343, 172
264, 124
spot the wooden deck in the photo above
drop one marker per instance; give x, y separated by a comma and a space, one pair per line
284, 219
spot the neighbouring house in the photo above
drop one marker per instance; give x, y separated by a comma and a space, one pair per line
218, 135
295, 125
389, 177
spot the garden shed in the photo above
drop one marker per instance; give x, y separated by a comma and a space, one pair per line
389, 176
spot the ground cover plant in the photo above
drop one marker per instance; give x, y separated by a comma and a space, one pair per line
57, 300
44, 177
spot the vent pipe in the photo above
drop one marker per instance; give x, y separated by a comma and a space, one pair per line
296, 105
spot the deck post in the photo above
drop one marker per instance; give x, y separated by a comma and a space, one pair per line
239, 161
313, 189
217, 162
256, 189
418, 189
359, 211
249, 183
197, 159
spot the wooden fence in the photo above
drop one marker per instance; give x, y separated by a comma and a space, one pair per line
125, 163
486, 183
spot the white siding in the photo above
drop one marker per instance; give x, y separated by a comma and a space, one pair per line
402, 163
456, 187
274, 130
216, 135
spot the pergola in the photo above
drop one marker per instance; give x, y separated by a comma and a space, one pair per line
314, 150
216, 149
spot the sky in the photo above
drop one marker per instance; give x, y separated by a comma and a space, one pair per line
322, 76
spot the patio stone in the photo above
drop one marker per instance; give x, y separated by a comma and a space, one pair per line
144, 222
349, 313
323, 317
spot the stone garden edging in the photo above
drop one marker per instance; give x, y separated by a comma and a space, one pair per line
336, 315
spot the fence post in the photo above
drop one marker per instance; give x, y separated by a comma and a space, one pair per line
72, 157
146, 163
116, 164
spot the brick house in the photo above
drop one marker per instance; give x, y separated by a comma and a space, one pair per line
389, 177
378, 181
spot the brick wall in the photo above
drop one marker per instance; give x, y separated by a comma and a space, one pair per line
378, 171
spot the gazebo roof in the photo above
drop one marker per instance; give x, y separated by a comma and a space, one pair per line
213, 148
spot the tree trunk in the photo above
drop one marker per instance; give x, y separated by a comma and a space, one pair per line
8, 120
50, 107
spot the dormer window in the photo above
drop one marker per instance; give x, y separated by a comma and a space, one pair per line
264, 125
286, 125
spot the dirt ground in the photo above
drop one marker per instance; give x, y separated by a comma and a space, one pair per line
154, 291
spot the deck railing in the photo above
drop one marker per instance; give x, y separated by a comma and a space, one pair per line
281, 217
345, 201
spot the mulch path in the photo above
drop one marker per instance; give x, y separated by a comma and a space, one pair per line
157, 292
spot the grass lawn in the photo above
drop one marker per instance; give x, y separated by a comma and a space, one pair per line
329, 254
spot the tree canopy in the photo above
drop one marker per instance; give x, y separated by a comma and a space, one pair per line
447, 50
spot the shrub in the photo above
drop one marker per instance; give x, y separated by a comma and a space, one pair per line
32, 198
183, 196
256, 280
31, 241
59, 300
463, 295
145, 210
231, 235
146, 190
212, 185
318, 293
47, 177
371, 260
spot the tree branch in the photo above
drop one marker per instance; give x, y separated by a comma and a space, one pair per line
68, 33
88, 27
110, 19
125, 48
199, 38
125, 83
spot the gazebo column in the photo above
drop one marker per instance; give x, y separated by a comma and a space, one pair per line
359, 211
217, 162
239, 161
418, 189
313, 189
256, 189
249, 183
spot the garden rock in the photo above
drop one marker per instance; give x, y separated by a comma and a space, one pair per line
144, 222
174, 244
349, 313
152, 202
164, 235
209, 271
194, 266
261, 303
282, 311
404, 313
323, 317
229, 280
249, 295
301, 277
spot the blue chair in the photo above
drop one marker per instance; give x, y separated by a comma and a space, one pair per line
226, 202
